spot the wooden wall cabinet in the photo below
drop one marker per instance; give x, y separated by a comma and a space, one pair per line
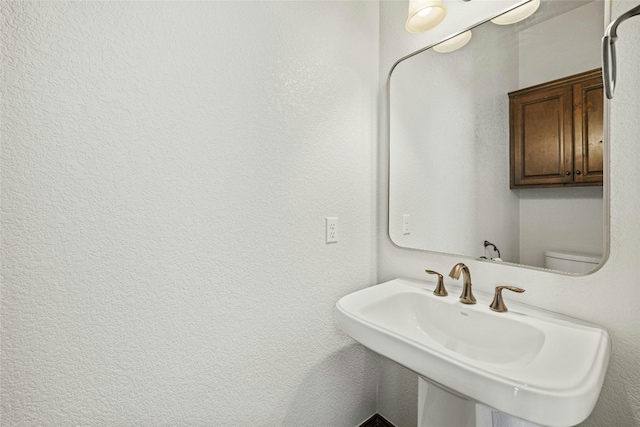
556, 132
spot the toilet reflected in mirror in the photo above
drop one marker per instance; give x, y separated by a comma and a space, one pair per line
571, 262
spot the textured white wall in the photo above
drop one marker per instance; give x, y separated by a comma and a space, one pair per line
609, 297
166, 171
557, 48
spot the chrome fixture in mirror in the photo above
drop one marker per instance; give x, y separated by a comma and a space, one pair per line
449, 143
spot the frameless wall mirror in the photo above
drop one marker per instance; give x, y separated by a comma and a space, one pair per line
496, 149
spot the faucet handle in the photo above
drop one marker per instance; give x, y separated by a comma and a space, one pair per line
498, 302
439, 290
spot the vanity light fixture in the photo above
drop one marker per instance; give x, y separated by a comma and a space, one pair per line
424, 15
518, 14
454, 43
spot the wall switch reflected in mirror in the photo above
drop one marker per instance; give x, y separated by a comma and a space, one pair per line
406, 224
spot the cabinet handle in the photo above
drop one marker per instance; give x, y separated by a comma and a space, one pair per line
567, 173
577, 172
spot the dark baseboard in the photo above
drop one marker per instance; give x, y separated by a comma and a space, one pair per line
376, 421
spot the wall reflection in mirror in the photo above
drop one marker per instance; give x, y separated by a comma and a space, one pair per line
450, 132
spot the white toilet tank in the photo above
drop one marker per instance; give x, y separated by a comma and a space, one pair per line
571, 262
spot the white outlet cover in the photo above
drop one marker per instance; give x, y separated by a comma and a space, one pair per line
332, 229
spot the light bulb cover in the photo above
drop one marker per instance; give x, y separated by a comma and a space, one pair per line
454, 43
419, 23
518, 14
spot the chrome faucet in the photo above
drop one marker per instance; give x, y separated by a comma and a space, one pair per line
467, 296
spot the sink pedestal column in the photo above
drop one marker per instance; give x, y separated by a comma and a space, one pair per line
440, 407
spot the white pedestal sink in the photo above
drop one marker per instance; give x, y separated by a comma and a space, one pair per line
536, 365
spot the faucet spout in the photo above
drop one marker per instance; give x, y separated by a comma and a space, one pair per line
467, 296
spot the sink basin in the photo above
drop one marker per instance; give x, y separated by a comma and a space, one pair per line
529, 363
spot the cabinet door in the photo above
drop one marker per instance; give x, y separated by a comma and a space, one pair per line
588, 131
541, 139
